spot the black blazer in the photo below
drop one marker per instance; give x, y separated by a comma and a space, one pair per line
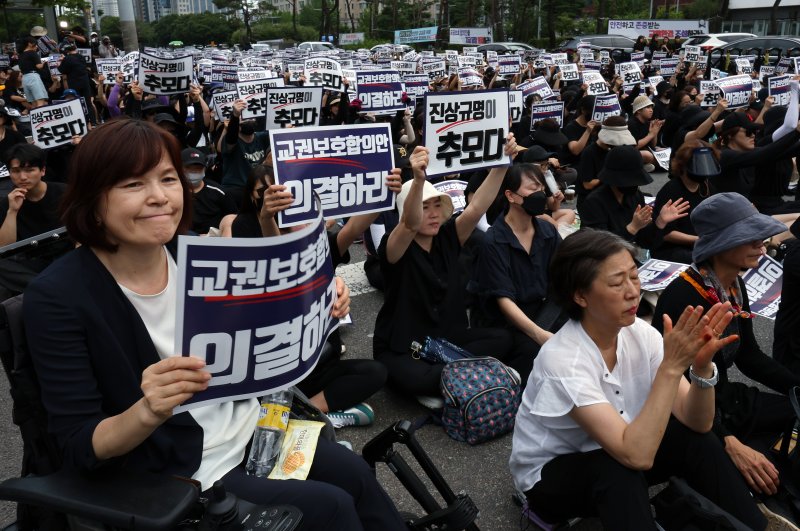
89, 347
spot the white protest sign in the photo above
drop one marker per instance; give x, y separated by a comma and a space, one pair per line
469, 77
323, 72
404, 66
56, 125
466, 131
569, 72
743, 66
668, 67
595, 83
538, 86
254, 93
293, 106
765, 71
515, 103
222, 104
254, 74
710, 92
692, 54
560, 59
630, 73
435, 70
662, 157
109, 69
161, 76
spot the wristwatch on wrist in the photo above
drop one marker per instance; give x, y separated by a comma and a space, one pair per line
704, 383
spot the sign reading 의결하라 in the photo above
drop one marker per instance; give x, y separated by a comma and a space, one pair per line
466, 131
293, 106
416, 84
780, 90
257, 310
469, 77
56, 125
508, 64
455, 189
656, 275
345, 165
736, 89
380, 91
606, 105
550, 110
538, 86
161, 76
764, 284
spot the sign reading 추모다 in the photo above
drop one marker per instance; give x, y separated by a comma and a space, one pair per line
466, 131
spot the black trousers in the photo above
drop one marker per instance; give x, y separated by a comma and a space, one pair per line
596, 484
341, 493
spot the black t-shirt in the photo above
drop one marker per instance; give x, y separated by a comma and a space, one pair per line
593, 158
423, 296
74, 67
37, 217
638, 129
602, 211
209, 206
11, 91
786, 347
673, 190
573, 131
28, 62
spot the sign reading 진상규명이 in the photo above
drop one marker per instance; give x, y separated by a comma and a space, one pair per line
323, 72
161, 76
222, 104
595, 83
254, 93
109, 68
293, 106
345, 165
257, 310
380, 91
710, 92
515, 103
56, 125
466, 131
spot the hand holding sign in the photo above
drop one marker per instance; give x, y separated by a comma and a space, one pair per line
419, 162
342, 305
169, 383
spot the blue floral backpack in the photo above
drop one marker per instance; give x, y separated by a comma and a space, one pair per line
481, 398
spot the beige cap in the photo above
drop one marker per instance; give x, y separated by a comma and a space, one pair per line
38, 31
640, 103
428, 192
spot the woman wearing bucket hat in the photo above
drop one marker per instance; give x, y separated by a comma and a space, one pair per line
619, 207
692, 165
731, 234
644, 128
423, 296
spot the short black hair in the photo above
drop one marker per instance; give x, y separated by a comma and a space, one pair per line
28, 155
576, 263
513, 178
24, 42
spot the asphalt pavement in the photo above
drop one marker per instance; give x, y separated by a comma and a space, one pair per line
481, 471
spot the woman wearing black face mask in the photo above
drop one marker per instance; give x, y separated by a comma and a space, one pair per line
692, 165
619, 207
511, 276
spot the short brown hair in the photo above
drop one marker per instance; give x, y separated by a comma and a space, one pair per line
577, 261
114, 151
683, 156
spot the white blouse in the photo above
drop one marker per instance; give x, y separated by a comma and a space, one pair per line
227, 427
570, 372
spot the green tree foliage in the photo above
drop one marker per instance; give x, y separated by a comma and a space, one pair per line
17, 24
702, 9
242, 6
194, 29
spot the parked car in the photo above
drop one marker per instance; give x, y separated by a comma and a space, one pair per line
393, 48
710, 41
505, 47
755, 45
599, 42
316, 46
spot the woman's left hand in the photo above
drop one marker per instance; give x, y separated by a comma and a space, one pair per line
672, 211
342, 305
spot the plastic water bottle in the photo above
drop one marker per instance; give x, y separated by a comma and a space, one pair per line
270, 430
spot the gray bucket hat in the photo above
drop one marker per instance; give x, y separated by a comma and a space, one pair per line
727, 220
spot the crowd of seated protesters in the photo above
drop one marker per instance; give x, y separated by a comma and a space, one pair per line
610, 405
